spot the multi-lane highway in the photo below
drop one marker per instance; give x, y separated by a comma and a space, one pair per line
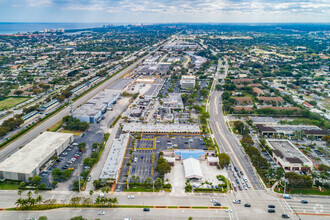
226, 140
317, 208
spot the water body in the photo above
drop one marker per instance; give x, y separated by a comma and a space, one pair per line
14, 28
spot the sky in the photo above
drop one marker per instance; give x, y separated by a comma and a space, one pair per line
165, 11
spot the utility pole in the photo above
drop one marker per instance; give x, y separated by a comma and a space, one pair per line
71, 109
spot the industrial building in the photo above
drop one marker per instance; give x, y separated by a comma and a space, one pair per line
112, 166
35, 156
187, 81
286, 155
78, 89
155, 88
53, 103
31, 116
92, 110
161, 128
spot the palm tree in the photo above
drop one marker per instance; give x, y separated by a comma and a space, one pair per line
91, 192
19, 192
19, 202
314, 177
312, 138
270, 173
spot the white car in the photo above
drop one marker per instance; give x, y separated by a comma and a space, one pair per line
213, 200
248, 185
130, 197
101, 212
229, 210
237, 201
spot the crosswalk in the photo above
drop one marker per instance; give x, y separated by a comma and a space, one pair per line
311, 207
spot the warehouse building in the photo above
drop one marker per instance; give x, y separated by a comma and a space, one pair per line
154, 89
31, 116
49, 105
286, 155
92, 110
112, 166
34, 157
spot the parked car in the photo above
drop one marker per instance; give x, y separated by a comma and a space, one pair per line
237, 201
285, 216
304, 201
271, 206
271, 210
247, 205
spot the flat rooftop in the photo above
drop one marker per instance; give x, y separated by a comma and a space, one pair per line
115, 157
155, 88
263, 120
119, 84
287, 151
161, 128
34, 153
97, 103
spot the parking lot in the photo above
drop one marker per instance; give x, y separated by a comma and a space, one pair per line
94, 134
149, 146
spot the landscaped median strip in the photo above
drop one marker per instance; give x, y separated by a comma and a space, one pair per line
171, 207
306, 213
55, 206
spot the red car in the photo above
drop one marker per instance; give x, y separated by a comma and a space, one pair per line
76, 157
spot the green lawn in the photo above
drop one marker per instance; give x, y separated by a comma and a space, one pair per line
140, 189
326, 192
76, 133
8, 186
11, 101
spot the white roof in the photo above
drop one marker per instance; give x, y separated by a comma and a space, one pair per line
115, 157
156, 128
213, 159
32, 155
192, 168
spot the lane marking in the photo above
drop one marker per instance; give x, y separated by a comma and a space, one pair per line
237, 161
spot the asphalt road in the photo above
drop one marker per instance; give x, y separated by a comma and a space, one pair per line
226, 140
33, 133
258, 199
